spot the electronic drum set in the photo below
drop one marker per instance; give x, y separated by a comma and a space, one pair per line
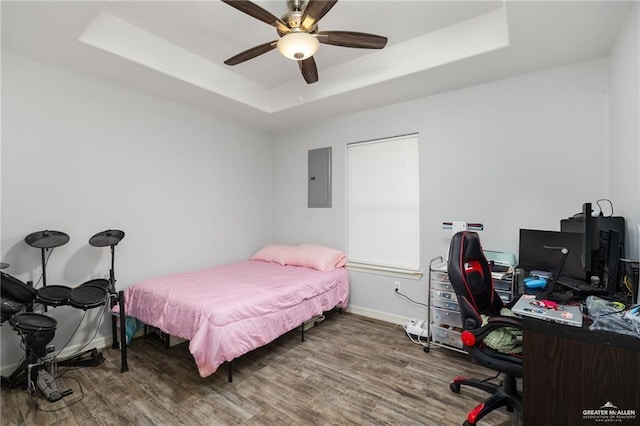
17, 301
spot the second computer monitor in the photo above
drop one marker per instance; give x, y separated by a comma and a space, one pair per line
540, 250
610, 275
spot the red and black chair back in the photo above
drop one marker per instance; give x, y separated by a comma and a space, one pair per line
470, 276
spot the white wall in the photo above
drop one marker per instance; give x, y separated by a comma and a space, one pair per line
518, 153
81, 156
624, 127
191, 190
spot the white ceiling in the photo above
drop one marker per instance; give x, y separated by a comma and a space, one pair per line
176, 50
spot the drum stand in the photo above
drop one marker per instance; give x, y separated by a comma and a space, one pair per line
111, 238
48, 240
39, 368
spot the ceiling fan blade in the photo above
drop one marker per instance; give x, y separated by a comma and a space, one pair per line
309, 70
352, 39
314, 11
259, 13
251, 53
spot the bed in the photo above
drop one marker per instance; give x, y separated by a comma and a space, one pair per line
229, 310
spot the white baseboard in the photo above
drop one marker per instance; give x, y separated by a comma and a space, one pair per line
379, 315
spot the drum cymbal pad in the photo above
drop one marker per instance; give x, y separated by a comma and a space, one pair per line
110, 237
46, 239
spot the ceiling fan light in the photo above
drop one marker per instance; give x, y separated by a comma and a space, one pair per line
298, 45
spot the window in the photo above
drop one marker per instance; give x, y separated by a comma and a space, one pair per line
383, 202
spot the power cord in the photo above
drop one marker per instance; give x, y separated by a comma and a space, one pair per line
601, 214
55, 358
106, 309
420, 337
421, 334
410, 299
600, 207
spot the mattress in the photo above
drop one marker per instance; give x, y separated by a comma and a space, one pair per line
229, 310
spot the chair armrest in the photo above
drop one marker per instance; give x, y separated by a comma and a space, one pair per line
505, 321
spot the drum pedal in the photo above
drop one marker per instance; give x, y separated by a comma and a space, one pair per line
90, 358
49, 387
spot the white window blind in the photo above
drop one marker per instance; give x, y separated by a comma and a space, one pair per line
384, 203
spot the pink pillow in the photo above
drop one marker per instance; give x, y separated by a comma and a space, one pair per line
275, 253
316, 257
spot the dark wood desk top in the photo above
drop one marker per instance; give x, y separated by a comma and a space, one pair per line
582, 333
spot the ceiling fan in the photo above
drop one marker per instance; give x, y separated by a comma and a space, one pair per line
299, 35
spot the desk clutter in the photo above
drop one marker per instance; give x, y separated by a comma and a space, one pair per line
529, 306
585, 258
613, 316
598, 313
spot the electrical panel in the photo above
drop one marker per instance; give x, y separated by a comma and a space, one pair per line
319, 179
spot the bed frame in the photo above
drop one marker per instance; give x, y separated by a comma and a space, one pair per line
230, 310
157, 336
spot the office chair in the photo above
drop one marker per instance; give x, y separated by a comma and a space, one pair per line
470, 276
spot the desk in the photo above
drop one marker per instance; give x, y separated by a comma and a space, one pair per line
567, 370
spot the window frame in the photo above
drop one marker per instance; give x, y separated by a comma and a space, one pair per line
362, 265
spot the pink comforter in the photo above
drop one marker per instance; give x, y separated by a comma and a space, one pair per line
230, 310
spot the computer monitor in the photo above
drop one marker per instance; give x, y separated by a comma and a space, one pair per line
589, 241
610, 276
595, 229
583, 223
532, 254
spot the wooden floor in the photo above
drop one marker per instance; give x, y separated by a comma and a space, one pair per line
350, 370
